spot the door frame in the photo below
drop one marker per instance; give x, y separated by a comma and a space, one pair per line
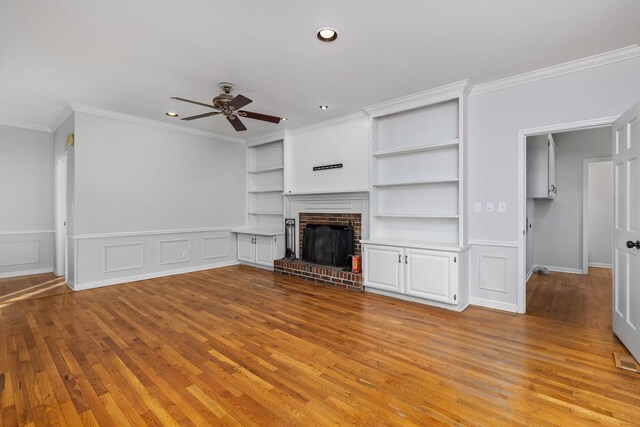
522, 189
585, 203
60, 214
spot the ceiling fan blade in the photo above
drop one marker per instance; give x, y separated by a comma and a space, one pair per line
258, 116
194, 102
236, 123
200, 116
239, 101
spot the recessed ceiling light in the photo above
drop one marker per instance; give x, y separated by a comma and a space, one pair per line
324, 107
327, 34
171, 114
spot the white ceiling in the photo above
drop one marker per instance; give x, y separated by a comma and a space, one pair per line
132, 56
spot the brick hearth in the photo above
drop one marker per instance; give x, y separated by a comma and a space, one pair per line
322, 273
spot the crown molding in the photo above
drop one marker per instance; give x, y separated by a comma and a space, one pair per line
266, 138
25, 125
329, 122
559, 70
79, 108
61, 117
419, 99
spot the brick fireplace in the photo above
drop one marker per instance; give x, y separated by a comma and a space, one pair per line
322, 273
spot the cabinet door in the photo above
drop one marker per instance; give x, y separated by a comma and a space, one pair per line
383, 268
431, 275
246, 248
265, 250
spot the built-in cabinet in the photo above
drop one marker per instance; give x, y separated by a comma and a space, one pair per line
262, 241
418, 238
541, 167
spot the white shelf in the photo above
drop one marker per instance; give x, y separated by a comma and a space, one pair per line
276, 190
443, 246
309, 193
266, 213
443, 145
426, 216
424, 182
277, 168
257, 231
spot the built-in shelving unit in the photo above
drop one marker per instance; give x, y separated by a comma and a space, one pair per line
418, 240
265, 186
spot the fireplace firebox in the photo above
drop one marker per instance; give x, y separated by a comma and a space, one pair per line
328, 244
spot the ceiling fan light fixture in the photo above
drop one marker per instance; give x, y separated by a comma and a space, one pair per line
323, 107
171, 114
327, 34
284, 119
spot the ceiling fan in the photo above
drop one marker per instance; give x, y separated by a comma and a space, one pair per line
229, 106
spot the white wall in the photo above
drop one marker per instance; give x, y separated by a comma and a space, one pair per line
343, 141
151, 201
559, 223
494, 121
600, 213
26, 201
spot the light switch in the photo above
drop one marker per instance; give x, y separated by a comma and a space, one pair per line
502, 206
490, 207
478, 206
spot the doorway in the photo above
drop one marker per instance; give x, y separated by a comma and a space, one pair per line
60, 215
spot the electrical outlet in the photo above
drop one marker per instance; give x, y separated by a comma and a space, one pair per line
491, 207
478, 206
184, 254
502, 206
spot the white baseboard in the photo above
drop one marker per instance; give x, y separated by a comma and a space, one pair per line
529, 273
457, 308
564, 270
498, 305
599, 265
25, 272
127, 279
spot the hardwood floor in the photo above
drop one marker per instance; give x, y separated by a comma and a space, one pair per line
240, 346
34, 286
582, 300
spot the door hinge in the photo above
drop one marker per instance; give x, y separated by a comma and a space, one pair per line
455, 297
455, 259
406, 259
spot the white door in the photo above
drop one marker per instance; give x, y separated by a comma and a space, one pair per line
626, 235
383, 268
431, 275
60, 215
264, 250
246, 248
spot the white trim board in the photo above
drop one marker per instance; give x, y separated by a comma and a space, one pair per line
40, 127
497, 243
564, 270
522, 189
26, 272
14, 233
146, 233
404, 297
137, 278
559, 69
600, 265
496, 305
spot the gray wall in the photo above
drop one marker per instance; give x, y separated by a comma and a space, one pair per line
600, 214
558, 223
26, 201
151, 201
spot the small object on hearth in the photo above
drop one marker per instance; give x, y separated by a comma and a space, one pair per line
356, 264
290, 238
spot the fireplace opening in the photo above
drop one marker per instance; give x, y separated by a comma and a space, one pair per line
328, 244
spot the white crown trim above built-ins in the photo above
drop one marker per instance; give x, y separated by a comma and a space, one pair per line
120, 280
12, 233
419, 99
559, 70
145, 233
25, 125
79, 108
496, 243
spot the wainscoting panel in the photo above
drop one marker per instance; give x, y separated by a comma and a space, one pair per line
28, 252
123, 256
175, 251
493, 275
108, 259
215, 247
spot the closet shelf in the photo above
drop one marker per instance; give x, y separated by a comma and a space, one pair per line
277, 168
423, 182
442, 145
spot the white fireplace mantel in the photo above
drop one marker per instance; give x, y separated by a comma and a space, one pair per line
328, 202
